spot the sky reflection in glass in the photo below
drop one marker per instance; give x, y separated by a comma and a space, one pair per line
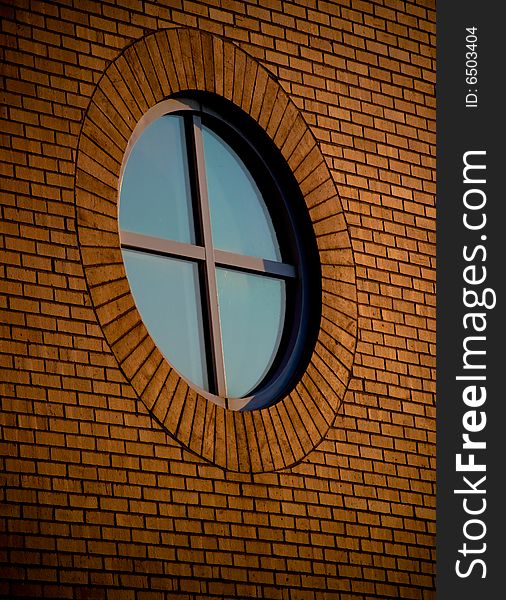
155, 191
177, 306
252, 314
239, 217
166, 292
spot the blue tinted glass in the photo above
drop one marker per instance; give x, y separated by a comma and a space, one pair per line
155, 190
166, 292
239, 217
252, 313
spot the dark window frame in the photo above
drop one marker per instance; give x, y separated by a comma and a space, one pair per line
301, 271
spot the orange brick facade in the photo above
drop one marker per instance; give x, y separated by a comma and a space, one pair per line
117, 480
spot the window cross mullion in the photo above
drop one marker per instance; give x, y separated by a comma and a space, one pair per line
156, 245
210, 265
254, 264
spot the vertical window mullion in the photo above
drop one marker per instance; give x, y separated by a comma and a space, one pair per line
210, 266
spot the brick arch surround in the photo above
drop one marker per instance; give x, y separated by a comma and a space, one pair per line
147, 72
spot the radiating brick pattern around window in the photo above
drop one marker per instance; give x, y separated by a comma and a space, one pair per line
107, 489
312, 406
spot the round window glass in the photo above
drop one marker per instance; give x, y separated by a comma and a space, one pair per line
214, 255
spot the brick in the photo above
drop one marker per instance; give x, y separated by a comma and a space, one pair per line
101, 493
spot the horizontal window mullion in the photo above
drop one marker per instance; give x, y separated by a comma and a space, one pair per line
254, 264
147, 243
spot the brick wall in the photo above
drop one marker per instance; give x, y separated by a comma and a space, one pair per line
98, 500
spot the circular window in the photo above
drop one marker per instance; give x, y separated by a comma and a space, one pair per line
216, 250
197, 174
